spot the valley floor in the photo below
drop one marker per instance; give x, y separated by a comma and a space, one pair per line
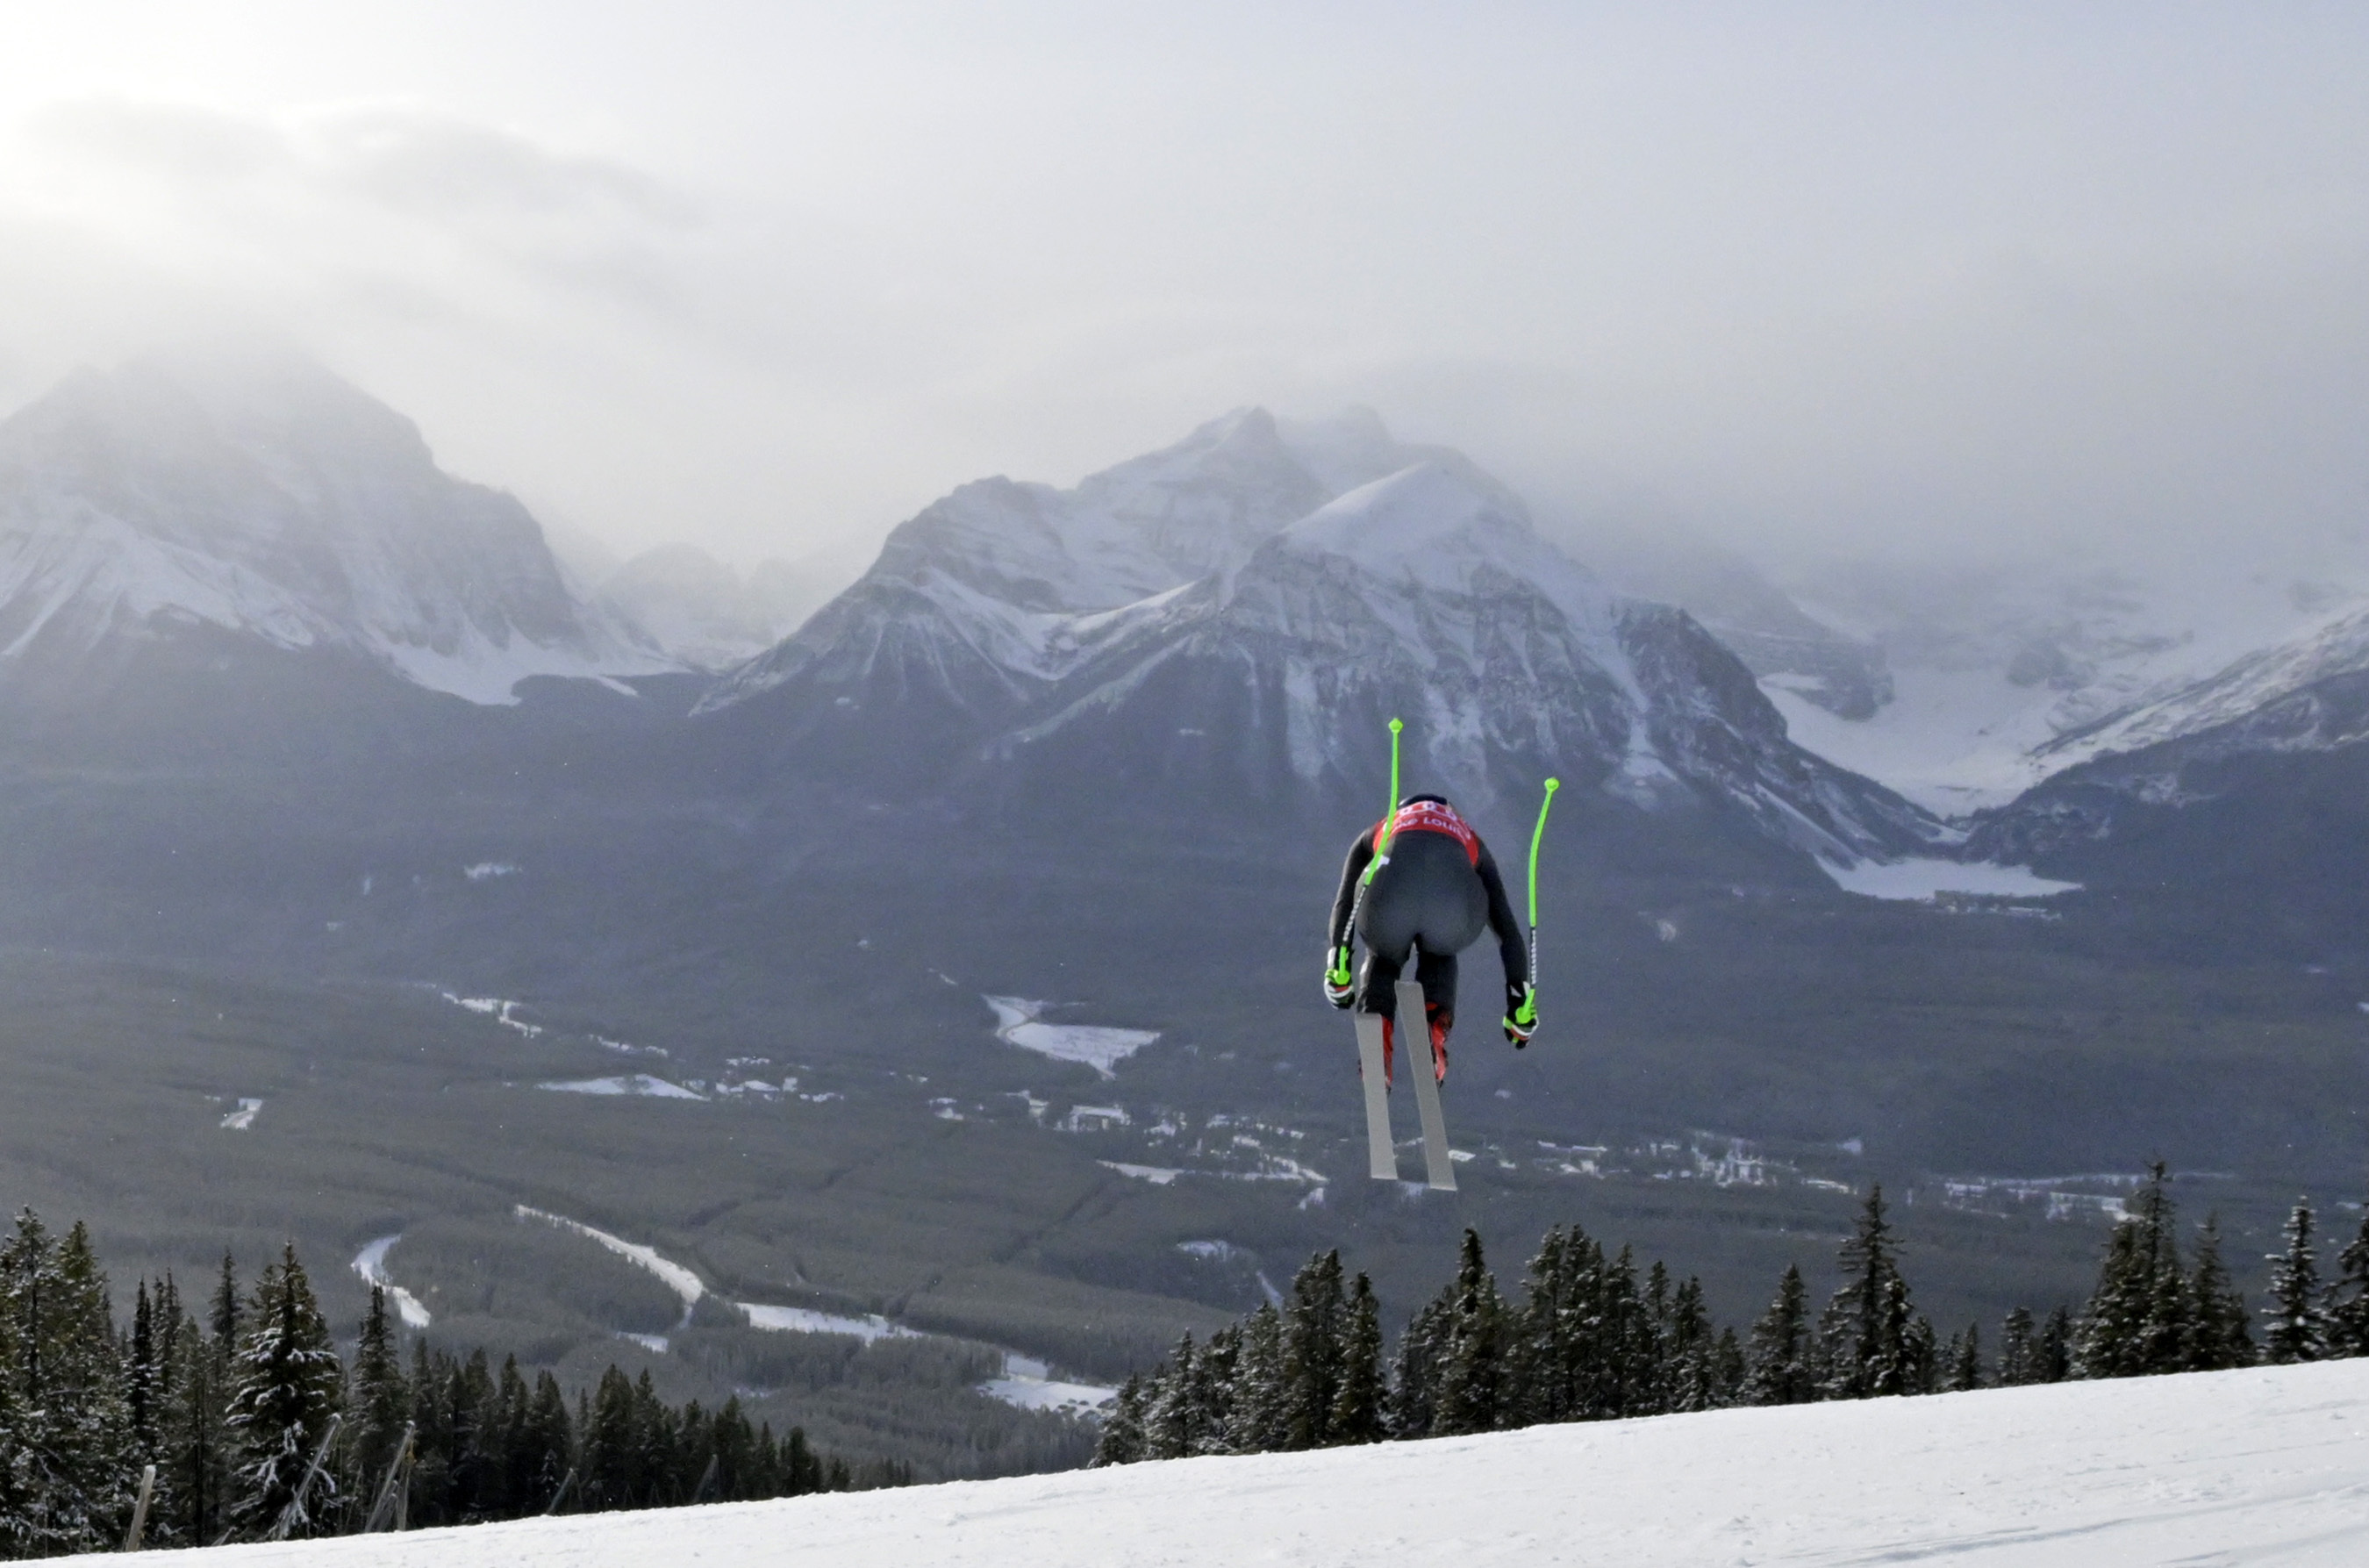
2267, 1465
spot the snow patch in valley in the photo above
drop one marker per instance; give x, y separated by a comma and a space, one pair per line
632, 1083
1097, 1046
1026, 1383
2258, 1466
687, 1286
502, 1012
370, 1263
1916, 880
1160, 1175
244, 1117
869, 1328
488, 868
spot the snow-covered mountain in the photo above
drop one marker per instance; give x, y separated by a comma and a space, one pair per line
1996, 672
1791, 651
1241, 612
263, 495
2263, 742
703, 611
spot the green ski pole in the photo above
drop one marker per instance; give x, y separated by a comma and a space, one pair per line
1382, 856
1526, 1016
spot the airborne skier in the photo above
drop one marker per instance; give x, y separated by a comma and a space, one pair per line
1436, 887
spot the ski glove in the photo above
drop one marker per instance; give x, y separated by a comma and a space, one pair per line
1339, 988
1521, 1014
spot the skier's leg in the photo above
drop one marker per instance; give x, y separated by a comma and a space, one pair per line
1436, 973
1378, 983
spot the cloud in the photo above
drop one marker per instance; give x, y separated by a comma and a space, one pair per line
760, 275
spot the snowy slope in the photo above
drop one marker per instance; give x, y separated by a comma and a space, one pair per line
2254, 1467
1996, 675
2336, 646
264, 496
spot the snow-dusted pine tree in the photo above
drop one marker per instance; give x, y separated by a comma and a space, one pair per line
1358, 1409
1962, 1363
2141, 1317
377, 1402
1866, 1325
1121, 1442
1313, 1334
2348, 1297
1414, 1371
1257, 1414
1471, 1347
2297, 1325
2019, 1356
1776, 1368
2220, 1334
68, 1446
284, 1390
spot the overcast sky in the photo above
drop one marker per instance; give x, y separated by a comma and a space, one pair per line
762, 275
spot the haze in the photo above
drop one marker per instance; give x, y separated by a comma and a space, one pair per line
768, 278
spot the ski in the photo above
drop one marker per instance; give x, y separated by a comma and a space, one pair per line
1414, 1042
1382, 1154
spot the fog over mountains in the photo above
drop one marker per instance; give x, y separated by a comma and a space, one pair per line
262, 495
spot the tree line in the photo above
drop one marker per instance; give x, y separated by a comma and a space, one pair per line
1594, 1338
249, 1425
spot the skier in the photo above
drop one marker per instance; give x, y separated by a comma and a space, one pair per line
1436, 887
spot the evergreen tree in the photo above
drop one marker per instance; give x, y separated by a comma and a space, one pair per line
1314, 1335
198, 1434
611, 1464
2297, 1327
1629, 1378
284, 1391
1866, 1325
2348, 1297
224, 1319
1690, 1352
1920, 1353
2019, 1356
1178, 1423
1777, 1366
1255, 1400
68, 1441
1471, 1349
378, 1404
540, 1457
1414, 1371
1121, 1442
1358, 1409
2055, 1362
2220, 1332
1963, 1363
2141, 1319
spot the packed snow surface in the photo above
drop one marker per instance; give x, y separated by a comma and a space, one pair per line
1918, 878
1099, 1048
2268, 1465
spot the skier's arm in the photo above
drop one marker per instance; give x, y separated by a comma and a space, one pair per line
1345, 902
1510, 945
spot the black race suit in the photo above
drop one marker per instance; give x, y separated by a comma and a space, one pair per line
1432, 898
